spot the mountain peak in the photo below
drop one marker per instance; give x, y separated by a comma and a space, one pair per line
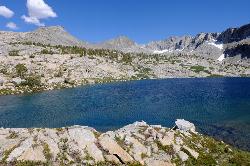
51, 28
122, 40
118, 42
53, 35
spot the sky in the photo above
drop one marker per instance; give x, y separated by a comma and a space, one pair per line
141, 20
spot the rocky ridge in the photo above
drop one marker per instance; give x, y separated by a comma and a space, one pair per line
210, 45
134, 144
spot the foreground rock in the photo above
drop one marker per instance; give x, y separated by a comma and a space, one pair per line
134, 144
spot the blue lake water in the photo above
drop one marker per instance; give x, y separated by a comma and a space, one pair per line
219, 107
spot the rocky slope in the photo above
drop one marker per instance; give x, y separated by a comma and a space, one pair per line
134, 144
50, 58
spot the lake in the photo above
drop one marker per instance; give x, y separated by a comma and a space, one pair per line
219, 107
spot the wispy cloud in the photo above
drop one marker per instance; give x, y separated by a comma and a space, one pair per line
32, 20
11, 25
6, 12
37, 10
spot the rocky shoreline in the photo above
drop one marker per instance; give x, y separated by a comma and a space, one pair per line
134, 144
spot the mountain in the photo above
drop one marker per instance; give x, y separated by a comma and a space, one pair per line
54, 35
118, 43
237, 42
122, 43
203, 44
232, 44
235, 34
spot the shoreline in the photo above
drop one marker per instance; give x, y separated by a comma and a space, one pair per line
28, 90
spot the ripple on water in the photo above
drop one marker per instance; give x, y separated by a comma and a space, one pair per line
219, 107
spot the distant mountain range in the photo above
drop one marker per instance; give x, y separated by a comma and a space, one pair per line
233, 42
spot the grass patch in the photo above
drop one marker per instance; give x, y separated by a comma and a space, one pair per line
167, 148
215, 75
197, 69
47, 152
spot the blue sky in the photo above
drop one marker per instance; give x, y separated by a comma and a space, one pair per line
140, 20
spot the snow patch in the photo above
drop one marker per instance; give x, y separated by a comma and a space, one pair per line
213, 43
162, 51
221, 58
179, 49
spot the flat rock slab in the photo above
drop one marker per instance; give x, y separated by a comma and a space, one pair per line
114, 149
33, 154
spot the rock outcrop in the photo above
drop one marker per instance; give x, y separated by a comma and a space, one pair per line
137, 143
235, 34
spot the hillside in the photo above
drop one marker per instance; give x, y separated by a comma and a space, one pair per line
50, 58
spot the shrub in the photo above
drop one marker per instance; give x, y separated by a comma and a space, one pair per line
45, 51
32, 81
46, 151
12, 135
169, 149
14, 53
127, 58
215, 75
21, 69
197, 69
240, 158
4, 71
32, 56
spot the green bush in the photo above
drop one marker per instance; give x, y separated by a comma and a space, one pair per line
32, 56
46, 151
14, 53
32, 81
45, 51
127, 58
21, 69
215, 75
240, 158
4, 71
197, 68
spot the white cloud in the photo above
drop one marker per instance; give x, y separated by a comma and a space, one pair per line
38, 9
11, 25
32, 20
6, 12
